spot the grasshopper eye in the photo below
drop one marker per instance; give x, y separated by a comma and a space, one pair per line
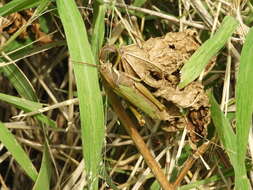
172, 46
108, 53
156, 75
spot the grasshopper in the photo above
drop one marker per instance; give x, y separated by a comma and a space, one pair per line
147, 78
134, 92
126, 85
133, 68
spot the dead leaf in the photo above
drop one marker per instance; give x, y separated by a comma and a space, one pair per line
15, 21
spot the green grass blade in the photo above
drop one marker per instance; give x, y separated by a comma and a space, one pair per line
17, 5
27, 106
155, 185
17, 77
195, 65
244, 108
43, 180
20, 102
99, 29
42, 7
20, 82
90, 100
212, 179
224, 129
34, 49
17, 152
139, 3
108, 179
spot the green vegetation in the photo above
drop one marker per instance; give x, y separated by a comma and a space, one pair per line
55, 52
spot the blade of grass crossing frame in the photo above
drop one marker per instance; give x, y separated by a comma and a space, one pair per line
35, 49
244, 108
27, 106
17, 152
17, 5
43, 180
195, 65
193, 185
90, 99
224, 129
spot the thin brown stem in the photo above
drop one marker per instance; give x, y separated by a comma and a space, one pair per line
140, 144
190, 161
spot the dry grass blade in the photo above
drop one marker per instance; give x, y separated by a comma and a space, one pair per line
160, 15
198, 5
41, 110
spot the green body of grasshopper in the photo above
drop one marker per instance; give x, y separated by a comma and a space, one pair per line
127, 88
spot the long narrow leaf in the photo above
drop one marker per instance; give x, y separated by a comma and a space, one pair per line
20, 82
212, 179
90, 100
195, 65
244, 108
17, 5
17, 152
35, 49
27, 106
43, 180
99, 29
224, 129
